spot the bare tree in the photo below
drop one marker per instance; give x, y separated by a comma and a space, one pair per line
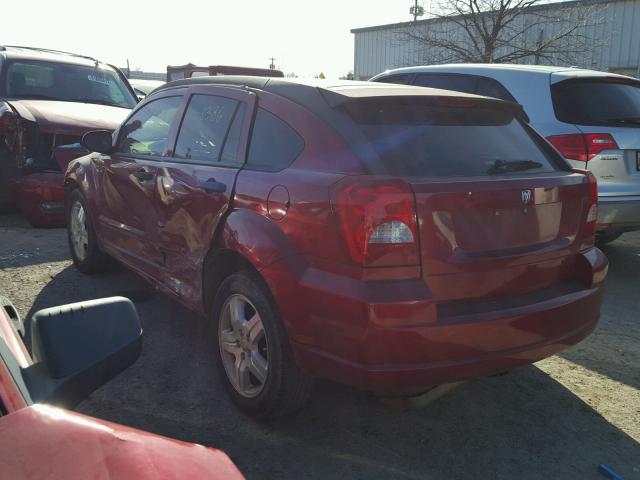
501, 31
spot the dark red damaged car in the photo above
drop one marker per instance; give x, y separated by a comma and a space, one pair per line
388, 237
48, 100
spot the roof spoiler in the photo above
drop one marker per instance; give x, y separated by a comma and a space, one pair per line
339, 99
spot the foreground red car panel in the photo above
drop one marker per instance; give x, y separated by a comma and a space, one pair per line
42, 442
391, 238
49, 99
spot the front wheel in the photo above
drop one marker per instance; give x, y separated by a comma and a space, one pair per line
85, 251
253, 352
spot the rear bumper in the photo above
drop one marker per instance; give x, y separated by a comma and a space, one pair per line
40, 198
404, 346
619, 212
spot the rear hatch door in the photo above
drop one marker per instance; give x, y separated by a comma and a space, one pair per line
605, 105
500, 212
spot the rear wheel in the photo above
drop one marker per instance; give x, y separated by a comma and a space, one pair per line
253, 352
85, 251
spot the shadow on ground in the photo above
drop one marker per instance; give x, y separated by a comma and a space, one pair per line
614, 348
22, 245
523, 425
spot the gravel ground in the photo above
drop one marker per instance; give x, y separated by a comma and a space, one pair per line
558, 418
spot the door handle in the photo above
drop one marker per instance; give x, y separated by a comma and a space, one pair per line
211, 186
143, 175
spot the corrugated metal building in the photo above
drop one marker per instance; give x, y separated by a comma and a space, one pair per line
612, 39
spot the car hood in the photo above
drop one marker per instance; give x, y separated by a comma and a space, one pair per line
70, 118
43, 442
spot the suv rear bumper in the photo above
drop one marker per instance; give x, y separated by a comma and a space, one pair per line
619, 211
382, 346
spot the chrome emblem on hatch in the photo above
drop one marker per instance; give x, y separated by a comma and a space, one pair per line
526, 196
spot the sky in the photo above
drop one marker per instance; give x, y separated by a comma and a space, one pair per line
304, 37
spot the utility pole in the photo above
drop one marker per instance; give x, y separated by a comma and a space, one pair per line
272, 65
416, 11
539, 45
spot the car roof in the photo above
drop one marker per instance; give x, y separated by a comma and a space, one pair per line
320, 96
558, 72
44, 54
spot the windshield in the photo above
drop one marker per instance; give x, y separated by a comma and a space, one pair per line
597, 102
414, 140
65, 82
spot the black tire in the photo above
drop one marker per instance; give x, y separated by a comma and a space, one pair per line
95, 260
602, 238
286, 387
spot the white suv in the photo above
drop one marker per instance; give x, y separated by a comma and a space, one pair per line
592, 118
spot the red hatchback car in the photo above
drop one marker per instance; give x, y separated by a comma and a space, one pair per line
388, 237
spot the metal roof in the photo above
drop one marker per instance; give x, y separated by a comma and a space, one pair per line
533, 8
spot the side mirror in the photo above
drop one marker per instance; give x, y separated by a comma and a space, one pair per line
79, 347
98, 141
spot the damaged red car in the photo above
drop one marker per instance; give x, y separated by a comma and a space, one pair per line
388, 237
49, 99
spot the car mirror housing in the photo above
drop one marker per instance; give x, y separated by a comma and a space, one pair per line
79, 347
98, 141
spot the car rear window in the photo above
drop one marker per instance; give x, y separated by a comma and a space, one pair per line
425, 138
597, 102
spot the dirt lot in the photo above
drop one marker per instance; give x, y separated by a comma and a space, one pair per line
559, 418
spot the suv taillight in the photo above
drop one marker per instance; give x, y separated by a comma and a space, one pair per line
8, 126
583, 147
378, 221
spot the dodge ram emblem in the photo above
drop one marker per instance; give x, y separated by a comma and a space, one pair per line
526, 196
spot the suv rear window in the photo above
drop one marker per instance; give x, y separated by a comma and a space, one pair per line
423, 138
596, 102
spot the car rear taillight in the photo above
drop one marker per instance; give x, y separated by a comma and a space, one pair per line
591, 220
583, 147
378, 221
8, 126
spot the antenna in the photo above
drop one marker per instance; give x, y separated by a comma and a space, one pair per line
272, 65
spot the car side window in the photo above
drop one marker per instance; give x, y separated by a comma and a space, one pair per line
274, 144
492, 88
147, 131
458, 83
465, 83
404, 78
232, 144
205, 128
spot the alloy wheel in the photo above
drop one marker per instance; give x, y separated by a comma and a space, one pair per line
79, 231
243, 346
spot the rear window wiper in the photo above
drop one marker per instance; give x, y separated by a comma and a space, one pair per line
502, 166
630, 120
